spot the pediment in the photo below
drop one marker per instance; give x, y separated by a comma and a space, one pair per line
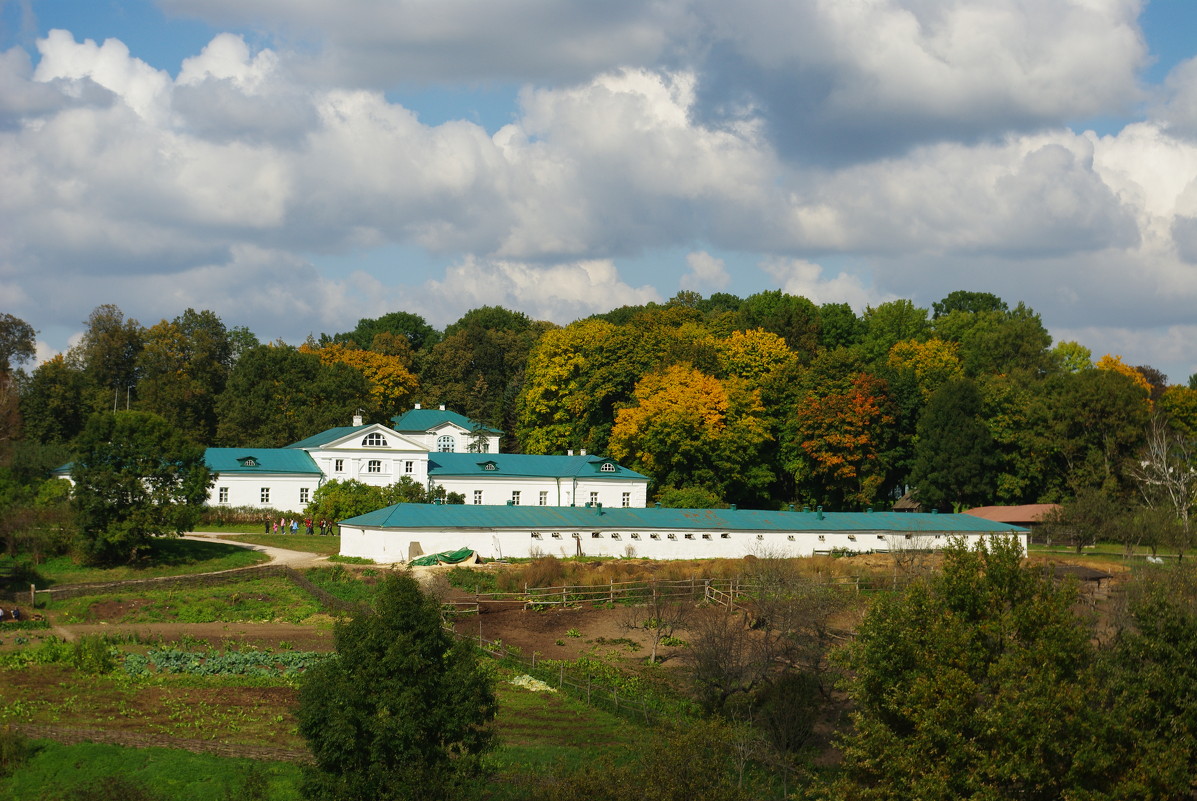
374, 438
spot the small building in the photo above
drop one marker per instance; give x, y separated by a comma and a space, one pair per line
403, 532
1029, 515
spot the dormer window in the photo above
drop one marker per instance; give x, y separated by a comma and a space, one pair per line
446, 443
248, 461
607, 468
489, 466
374, 440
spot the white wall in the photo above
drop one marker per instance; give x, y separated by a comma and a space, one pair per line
395, 545
497, 490
246, 490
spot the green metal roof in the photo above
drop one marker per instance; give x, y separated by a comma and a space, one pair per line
325, 437
525, 465
542, 518
428, 419
260, 460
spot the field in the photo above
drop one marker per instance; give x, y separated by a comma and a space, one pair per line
173, 687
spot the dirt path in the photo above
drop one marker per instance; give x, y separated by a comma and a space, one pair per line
278, 556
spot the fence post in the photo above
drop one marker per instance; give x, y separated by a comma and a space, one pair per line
561, 676
611, 587
32, 597
564, 595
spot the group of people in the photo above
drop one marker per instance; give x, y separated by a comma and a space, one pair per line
284, 525
13, 614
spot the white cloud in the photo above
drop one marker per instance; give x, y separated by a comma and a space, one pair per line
800, 277
559, 292
706, 272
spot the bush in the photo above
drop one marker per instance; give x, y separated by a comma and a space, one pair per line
15, 750
239, 515
93, 654
471, 580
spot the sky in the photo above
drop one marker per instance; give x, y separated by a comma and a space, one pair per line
296, 165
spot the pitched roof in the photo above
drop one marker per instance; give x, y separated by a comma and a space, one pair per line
424, 516
526, 465
428, 419
260, 460
325, 437
1019, 515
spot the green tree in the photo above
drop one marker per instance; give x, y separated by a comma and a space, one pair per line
794, 318
339, 500
975, 683
136, 478
108, 355
184, 366
402, 711
276, 395
969, 302
419, 334
54, 402
954, 453
887, 325
998, 341
1073, 356
839, 327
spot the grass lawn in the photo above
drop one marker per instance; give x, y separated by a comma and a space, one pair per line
59, 771
325, 546
166, 557
271, 599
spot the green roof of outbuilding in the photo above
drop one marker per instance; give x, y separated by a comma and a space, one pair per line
435, 516
325, 437
428, 419
265, 460
524, 465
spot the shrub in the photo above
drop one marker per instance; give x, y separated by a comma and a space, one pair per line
93, 655
15, 750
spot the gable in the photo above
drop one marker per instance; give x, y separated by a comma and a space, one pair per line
374, 436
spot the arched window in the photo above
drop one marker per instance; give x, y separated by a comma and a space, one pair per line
374, 440
374, 466
445, 443
607, 468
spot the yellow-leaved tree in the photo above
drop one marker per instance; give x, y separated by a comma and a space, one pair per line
391, 383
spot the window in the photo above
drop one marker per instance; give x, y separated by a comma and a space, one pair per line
409, 467
535, 535
489, 466
615, 536
374, 440
725, 536
223, 494
556, 535
596, 535
672, 536
706, 536
626, 500
822, 538
265, 496
654, 536
544, 497
635, 536
607, 468
689, 536
303, 494
593, 498
852, 537
790, 538
477, 497
446, 444
338, 465
515, 497
374, 466
760, 536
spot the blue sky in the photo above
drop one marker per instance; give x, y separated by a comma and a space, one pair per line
295, 165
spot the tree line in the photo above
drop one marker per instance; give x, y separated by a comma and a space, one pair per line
759, 401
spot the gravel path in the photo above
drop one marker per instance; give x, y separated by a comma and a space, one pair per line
278, 556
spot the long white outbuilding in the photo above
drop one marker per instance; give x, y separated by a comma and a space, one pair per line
403, 532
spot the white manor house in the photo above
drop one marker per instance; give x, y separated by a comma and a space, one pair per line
433, 447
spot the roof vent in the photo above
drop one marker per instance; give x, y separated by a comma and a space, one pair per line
417, 406
934, 511
819, 512
792, 508
806, 509
733, 507
658, 504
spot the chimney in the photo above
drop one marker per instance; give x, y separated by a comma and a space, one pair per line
582, 452
570, 452
442, 407
417, 406
357, 418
